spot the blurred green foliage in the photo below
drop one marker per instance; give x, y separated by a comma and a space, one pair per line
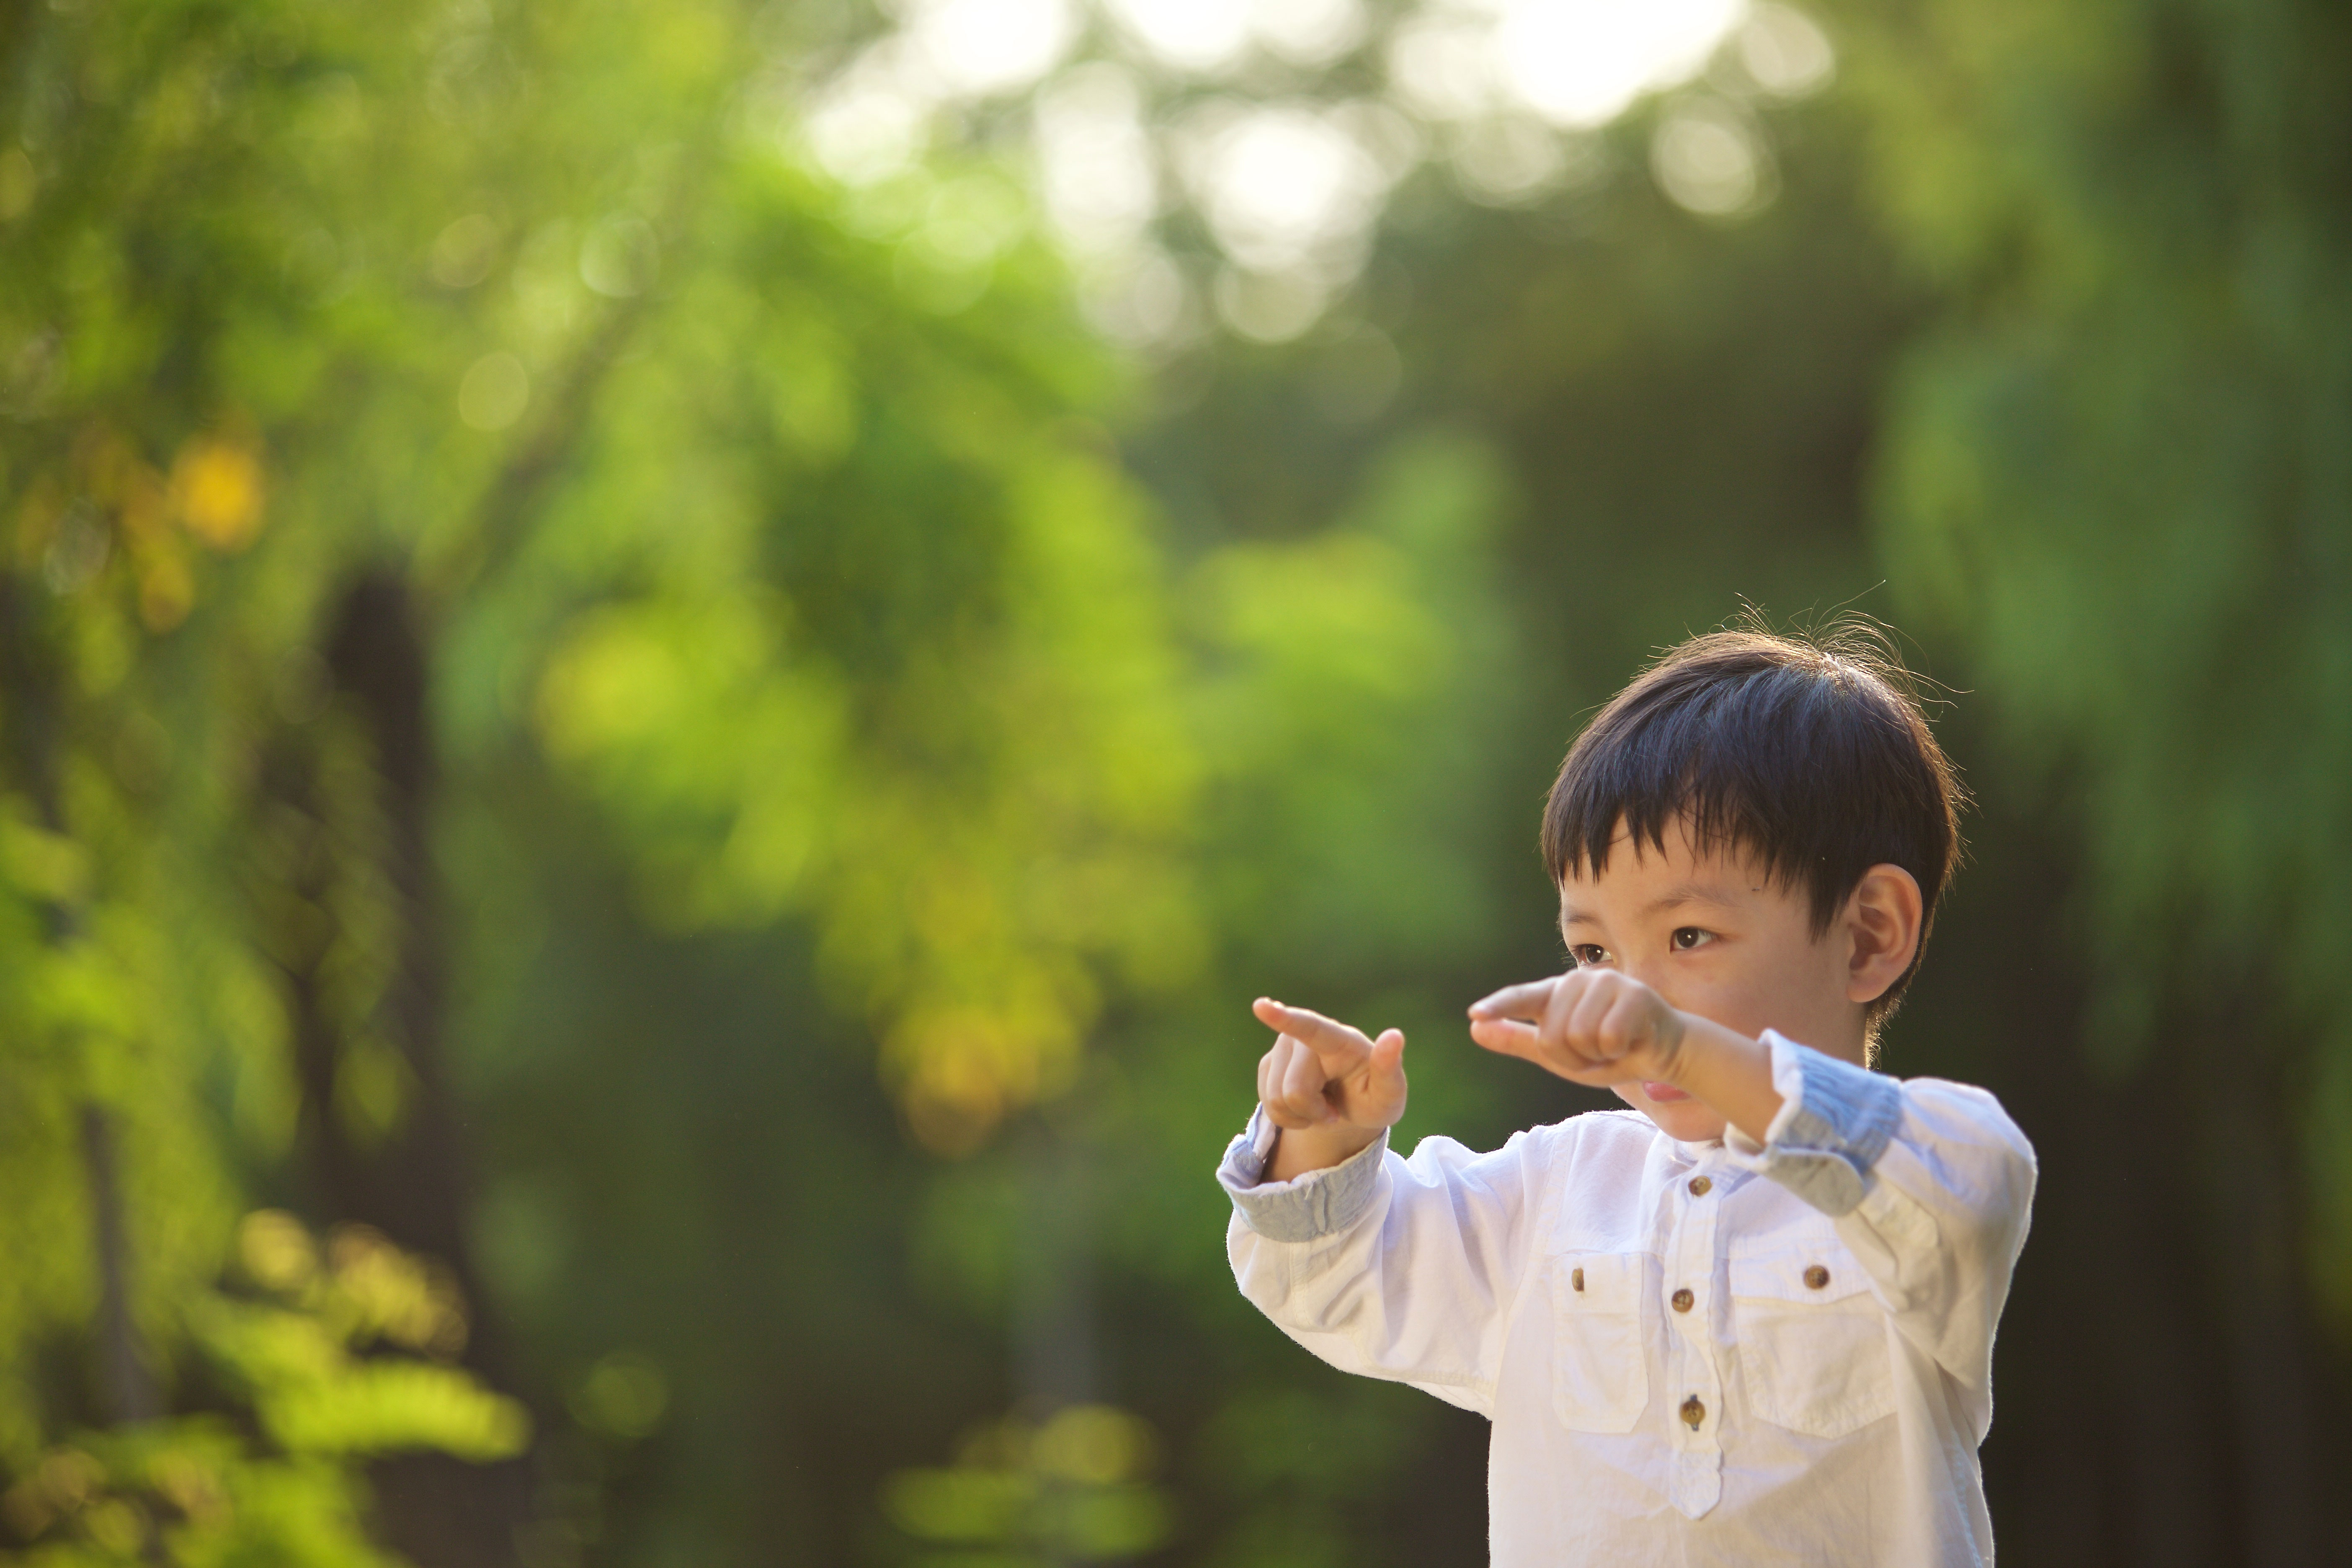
199, 1490
2116, 471
1069, 1491
823, 594
779, 981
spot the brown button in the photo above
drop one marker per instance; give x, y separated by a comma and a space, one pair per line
1700, 1186
1816, 1277
1693, 1412
1576, 1278
1682, 1300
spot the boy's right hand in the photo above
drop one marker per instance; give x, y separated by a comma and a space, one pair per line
1329, 1088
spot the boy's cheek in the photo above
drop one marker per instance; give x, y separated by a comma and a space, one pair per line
1736, 1006
1694, 988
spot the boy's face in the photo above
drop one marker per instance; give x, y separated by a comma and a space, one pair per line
1712, 935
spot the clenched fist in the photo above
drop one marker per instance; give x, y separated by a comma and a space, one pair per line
1595, 1027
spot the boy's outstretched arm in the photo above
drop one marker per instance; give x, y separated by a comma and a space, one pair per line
1393, 1267
1599, 1027
1330, 1089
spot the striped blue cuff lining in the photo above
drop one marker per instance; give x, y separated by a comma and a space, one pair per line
1305, 1208
1836, 1121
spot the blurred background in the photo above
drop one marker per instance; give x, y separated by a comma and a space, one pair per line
667, 672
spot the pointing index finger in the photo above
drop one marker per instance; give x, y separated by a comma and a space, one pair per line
1526, 1001
1509, 1037
1328, 1039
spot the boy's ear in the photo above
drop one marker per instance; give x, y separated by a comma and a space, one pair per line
1883, 916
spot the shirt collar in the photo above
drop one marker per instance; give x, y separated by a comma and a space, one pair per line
1725, 1166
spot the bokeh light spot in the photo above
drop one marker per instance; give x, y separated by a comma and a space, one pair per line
1784, 52
18, 183
620, 256
1583, 62
1706, 160
496, 391
216, 484
463, 252
1504, 160
1267, 307
1095, 161
624, 1395
1308, 32
1199, 36
986, 47
276, 1250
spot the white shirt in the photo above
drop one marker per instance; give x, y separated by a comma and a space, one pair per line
1817, 1396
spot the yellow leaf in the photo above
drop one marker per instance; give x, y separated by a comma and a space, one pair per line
217, 484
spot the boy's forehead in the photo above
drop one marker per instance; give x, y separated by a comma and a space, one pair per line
1676, 853
1643, 873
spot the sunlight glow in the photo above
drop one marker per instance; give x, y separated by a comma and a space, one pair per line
873, 119
1199, 36
1577, 63
1206, 37
1291, 187
1308, 32
1284, 187
1096, 168
1442, 65
1583, 62
983, 46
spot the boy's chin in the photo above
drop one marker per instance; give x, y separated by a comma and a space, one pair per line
1684, 1120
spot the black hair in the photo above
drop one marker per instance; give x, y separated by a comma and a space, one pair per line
1810, 752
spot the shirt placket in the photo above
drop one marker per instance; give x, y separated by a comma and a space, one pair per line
1694, 1374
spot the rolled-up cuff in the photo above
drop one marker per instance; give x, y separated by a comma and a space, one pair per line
1836, 1121
1318, 1203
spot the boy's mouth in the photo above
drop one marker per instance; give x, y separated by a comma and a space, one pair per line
1663, 1093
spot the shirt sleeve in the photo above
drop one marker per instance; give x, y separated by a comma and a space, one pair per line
1396, 1269
1931, 1187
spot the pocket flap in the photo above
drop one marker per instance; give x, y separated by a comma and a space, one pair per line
1601, 1378
1799, 1272
1599, 1281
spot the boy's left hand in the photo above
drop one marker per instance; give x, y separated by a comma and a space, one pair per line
1593, 1027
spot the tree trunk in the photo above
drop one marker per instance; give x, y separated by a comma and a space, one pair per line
125, 1380
414, 1183
128, 1389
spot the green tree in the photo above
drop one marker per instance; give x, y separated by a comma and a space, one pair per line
2115, 476
318, 326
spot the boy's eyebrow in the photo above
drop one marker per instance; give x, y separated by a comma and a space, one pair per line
1692, 893
1689, 893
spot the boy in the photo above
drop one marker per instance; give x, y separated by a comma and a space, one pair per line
1748, 1320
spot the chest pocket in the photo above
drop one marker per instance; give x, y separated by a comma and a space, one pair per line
1811, 1338
1601, 1378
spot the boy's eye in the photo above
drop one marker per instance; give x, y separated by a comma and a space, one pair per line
1688, 937
1588, 954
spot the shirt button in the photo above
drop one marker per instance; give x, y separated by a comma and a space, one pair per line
1816, 1277
1682, 1300
1576, 1278
1700, 1186
1693, 1412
